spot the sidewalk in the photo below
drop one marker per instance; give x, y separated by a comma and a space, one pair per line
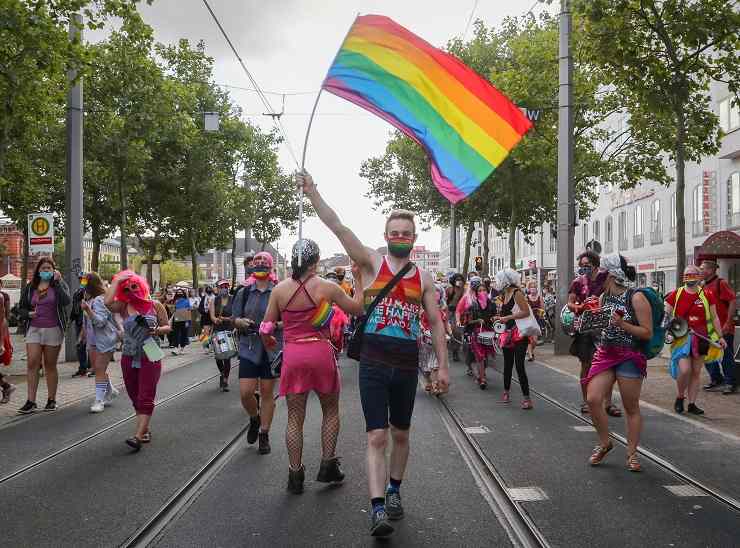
72, 390
659, 390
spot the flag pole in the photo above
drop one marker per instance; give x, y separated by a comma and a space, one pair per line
305, 146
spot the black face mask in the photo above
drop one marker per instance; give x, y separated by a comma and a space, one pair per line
340, 278
209, 291
249, 270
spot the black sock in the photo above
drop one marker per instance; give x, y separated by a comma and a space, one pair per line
377, 502
394, 485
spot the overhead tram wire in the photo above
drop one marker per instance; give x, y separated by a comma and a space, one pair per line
470, 20
257, 88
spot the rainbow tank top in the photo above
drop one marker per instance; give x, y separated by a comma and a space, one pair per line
392, 330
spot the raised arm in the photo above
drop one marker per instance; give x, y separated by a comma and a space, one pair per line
360, 254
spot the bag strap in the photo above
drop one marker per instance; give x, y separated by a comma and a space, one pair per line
387, 289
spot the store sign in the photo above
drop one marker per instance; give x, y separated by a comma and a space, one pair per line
626, 197
645, 267
40, 233
707, 193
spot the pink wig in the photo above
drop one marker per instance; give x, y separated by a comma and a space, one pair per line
266, 256
139, 299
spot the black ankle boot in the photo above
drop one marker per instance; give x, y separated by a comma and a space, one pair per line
295, 480
329, 472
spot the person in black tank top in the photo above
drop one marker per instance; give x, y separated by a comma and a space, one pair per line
514, 348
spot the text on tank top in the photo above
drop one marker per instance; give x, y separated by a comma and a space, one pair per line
392, 330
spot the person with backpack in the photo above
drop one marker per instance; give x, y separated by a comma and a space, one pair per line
726, 311
703, 340
619, 358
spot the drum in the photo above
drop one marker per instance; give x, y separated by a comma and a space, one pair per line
487, 338
224, 345
499, 327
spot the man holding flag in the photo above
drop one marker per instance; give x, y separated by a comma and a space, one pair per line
389, 359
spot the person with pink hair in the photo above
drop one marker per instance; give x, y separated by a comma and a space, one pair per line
143, 320
262, 272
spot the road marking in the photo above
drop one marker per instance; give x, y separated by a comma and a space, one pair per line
527, 494
477, 429
685, 490
657, 409
584, 428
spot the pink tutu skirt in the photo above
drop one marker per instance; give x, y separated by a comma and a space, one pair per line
309, 366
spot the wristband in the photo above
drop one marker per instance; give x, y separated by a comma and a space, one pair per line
267, 328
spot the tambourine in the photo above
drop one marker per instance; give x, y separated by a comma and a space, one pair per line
499, 327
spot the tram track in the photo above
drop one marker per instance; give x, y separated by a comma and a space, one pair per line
35, 464
645, 452
520, 527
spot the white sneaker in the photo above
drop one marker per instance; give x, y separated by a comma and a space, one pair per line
97, 407
111, 395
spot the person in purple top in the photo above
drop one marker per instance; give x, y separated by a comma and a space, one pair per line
589, 284
44, 316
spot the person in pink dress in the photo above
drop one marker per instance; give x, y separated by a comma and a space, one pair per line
474, 312
304, 304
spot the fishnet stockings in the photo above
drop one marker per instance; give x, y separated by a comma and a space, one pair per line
294, 430
329, 424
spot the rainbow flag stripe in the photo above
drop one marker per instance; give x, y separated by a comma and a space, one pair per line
466, 126
324, 314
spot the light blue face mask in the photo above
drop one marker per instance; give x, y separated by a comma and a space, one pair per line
46, 276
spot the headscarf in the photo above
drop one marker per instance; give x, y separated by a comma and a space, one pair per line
506, 278
474, 295
613, 265
139, 299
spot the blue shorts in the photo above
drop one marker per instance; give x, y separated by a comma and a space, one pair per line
250, 370
628, 370
387, 395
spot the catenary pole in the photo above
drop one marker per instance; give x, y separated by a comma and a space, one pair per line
73, 222
566, 205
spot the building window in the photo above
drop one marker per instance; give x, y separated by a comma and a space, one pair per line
729, 114
553, 239
733, 200
597, 232
585, 235
697, 212
639, 231
656, 228
673, 216
609, 235
622, 228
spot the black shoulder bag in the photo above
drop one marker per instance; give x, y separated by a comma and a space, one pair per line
354, 347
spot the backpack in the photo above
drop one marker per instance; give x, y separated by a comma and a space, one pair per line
652, 347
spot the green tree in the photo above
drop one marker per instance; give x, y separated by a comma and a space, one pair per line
660, 55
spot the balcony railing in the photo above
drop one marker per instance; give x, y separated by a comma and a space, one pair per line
656, 237
733, 220
638, 240
609, 246
697, 228
622, 244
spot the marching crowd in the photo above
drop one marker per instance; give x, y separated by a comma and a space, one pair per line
395, 319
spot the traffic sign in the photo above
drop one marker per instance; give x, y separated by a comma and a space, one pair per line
40, 233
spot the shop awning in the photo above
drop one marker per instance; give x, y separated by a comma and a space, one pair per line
720, 245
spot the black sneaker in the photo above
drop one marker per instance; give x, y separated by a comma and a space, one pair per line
28, 407
295, 480
254, 429
329, 471
264, 445
694, 410
678, 406
379, 526
712, 386
731, 389
51, 405
80, 373
393, 506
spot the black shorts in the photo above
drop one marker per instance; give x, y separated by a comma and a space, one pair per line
387, 395
584, 346
250, 370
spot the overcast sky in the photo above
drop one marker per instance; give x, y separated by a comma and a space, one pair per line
288, 46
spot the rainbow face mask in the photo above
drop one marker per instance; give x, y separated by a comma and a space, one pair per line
692, 280
261, 272
400, 247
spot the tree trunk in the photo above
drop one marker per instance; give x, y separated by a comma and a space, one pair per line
96, 241
512, 242
247, 236
680, 196
193, 261
486, 251
264, 245
124, 235
468, 240
233, 256
150, 270
24, 254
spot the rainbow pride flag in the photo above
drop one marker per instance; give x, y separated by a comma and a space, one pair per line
466, 125
323, 315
